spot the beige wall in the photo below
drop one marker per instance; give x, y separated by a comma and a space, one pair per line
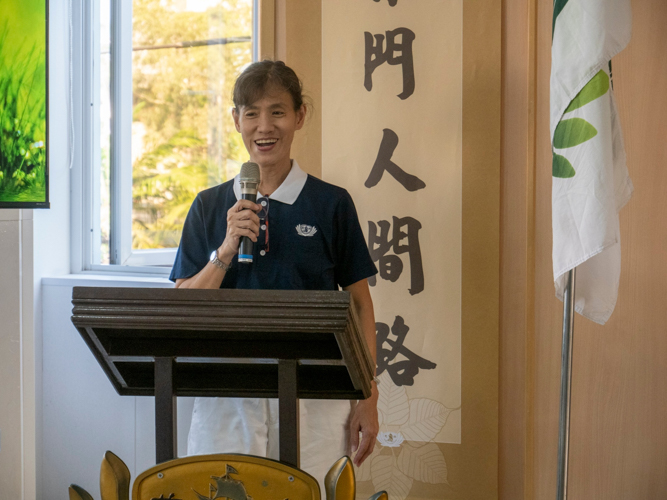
17, 362
296, 26
297, 40
517, 262
10, 357
618, 394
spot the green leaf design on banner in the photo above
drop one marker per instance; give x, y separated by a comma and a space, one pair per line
596, 87
558, 6
572, 132
561, 167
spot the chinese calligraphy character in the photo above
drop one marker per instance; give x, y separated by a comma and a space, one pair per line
375, 56
383, 162
402, 371
392, 3
391, 266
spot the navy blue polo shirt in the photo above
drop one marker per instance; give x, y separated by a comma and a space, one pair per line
310, 237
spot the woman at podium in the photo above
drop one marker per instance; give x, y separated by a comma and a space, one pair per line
306, 236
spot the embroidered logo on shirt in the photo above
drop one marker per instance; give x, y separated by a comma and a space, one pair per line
306, 230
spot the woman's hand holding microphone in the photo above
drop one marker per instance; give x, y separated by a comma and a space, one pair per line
242, 220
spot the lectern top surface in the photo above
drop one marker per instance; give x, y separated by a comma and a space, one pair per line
260, 297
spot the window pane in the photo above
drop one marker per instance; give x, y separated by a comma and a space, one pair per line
105, 130
186, 56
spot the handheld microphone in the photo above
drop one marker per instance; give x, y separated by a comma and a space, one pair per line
249, 178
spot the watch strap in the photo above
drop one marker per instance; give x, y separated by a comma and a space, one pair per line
219, 263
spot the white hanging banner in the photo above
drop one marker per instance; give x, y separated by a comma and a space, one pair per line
590, 176
391, 121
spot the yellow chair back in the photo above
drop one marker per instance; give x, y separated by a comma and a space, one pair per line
339, 481
114, 478
76, 492
229, 476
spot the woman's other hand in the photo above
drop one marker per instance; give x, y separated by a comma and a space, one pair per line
364, 421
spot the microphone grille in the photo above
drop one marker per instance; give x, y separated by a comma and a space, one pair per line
249, 172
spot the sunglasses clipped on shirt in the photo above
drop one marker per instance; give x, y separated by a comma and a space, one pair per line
263, 215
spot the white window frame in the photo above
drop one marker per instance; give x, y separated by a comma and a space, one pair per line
85, 176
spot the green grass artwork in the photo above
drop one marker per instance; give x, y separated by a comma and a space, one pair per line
23, 158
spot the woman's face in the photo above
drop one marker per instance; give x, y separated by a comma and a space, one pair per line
267, 127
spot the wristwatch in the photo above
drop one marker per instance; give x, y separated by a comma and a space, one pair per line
214, 260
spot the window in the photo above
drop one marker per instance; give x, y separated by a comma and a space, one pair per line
160, 74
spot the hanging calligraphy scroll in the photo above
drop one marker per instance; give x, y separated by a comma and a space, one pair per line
392, 122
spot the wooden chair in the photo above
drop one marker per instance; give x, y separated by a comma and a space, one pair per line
230, 476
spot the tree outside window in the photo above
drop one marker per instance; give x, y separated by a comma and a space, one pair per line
186, 55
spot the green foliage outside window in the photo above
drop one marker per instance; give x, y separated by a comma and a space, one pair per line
184, 138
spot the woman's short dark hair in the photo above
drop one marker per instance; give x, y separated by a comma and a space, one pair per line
263, 76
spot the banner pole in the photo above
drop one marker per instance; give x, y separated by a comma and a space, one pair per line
565, 386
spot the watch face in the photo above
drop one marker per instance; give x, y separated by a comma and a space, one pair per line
213, 255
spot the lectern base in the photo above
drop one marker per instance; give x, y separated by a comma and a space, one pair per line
288, 414
166, 439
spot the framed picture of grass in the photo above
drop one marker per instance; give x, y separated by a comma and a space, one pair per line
24, 172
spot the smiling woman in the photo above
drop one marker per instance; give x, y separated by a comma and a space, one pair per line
316, 243
268, 108
267, 127
23, 125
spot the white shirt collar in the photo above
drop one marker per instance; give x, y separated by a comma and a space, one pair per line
288, 191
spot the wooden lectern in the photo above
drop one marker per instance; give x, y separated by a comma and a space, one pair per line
281, 344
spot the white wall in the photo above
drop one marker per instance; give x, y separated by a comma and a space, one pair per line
51, 234
82, 414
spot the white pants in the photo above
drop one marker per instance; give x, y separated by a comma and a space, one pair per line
250, 426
